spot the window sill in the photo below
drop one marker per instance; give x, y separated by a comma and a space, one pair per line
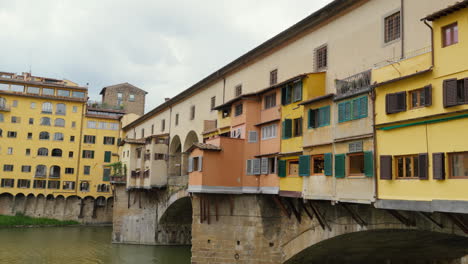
356, 176
457, 177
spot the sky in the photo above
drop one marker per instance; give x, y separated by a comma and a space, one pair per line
160, 46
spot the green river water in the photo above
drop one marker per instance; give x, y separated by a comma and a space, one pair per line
70, 245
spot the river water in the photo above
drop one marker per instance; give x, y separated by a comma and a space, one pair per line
83, 245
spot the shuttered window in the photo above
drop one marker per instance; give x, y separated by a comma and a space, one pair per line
253, 137
455, 92
421, 97
297, 91
352, 109
423, 166
291, 93
385, 167
264, 169
107, 156
319, 117
340, 165
304, 165
328, 164
106, 174
190, 164
286, 97
254, 167
438, 166
287, 128
395, 102
369, 164
282, 168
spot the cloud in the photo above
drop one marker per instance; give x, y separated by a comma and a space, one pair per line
160, 46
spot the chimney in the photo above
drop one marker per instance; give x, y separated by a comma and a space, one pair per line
167, 99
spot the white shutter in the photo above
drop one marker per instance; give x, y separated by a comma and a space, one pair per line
264, 165
256, 166
276, 165
200, 163
252, 136
249, 167
238, 133
190, 164
273, 131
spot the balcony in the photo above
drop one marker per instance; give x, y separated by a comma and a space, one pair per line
4, 108
353, 85
122, 179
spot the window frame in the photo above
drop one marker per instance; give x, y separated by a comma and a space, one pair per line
312, 164
238, 109
351, 103
238, 90
321, 57
297, 126
348, 165
395, 166
451, 27
273, 77
450, 169
396, 36
269, 101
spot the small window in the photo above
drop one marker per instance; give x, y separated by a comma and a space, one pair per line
274, 77
47, 108
458, 165
25, 168
417, 98
297, 92
177, 119
87, 170
142, 132
88, 139
238, 110
321, 58
30, 135
253, 137
450, 35
54, 185
131, 97
43, 152
213, 102
319, 117
392, 27
33, 90
119, 96
88, 154
238, 90
39, 184
15, 103
78, 94
72, 138
11, 134
44, 135
60, 109
356, 164
7, 167
31, 121
10, 151
163, 125
23, 183
318, 165
75, 109
272, 165
269, 132
73, 124
33, 105
15, 120
56, 152
68, 185
84, 186
407, 166
45, 121
70, 154
192, 112
109, 140
63, 93
48, 91
297, 127
269, 100
195, 163
455, 92
7, 183
69, 170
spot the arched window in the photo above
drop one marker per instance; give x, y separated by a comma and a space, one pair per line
44, 135
56, 153
41, 171
54, 172
47, 108
58, 136
84, 186
43, 152
45, 121
60, 109
2, 103
103, 188
59, 122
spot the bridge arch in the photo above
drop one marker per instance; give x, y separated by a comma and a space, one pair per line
175, 220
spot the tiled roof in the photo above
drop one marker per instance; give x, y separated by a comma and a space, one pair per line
204, 146
446, 11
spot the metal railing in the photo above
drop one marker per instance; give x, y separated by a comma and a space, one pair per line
353, 83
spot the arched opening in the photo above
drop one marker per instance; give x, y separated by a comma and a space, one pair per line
43, 152
47, 108
30, 203
58, 136
59, 122
56, 153
175, 225
44, 135
20, 203
54, 172
189, 140
175, 154
6, 201
45, 121
41, 171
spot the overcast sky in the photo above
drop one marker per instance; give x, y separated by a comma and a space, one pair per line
160, 46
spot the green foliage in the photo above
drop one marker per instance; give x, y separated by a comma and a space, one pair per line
118, 168
21, 220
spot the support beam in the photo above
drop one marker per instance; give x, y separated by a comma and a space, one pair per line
354, 215
301, 204
293, 209
403, 219
429, 218
280, 204
458, 222
321, 219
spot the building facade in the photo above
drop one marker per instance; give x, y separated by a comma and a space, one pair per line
124, 96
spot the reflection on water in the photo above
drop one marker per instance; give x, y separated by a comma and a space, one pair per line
72, 245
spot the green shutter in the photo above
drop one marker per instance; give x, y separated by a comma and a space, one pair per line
304, 165
328, 164
341, 112
311, 118
287, 129
356, 108
106, 176
281, 168
363, 110
369, 164
107, 156
347, 110
340, 165
284, 95
326, 120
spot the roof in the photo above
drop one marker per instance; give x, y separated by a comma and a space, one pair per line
121, 84
317, 99
204, 146
402, 77
447, 11
133, 141
314, 20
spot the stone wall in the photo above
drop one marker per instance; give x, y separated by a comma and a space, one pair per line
86, 210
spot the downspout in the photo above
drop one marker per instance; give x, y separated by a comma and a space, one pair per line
224, 88
402, 19
168, 144
376, 186
432, 42
79, 147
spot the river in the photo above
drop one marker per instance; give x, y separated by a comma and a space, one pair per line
81, 245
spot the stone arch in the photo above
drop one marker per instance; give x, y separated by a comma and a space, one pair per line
72, 207
59, 209
88, 211
6, 202
175, 220
30, 206
49, 206
188, 143
19, 204
40, 205
175, 157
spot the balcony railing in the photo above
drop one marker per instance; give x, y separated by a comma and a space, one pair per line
4, 108
118, 179
103, 106
353, 84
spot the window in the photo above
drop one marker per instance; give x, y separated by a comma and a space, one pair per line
138, 151
254, 167
272, 165
33, 105
142, 132
356, 164
31, 121
274, 77
28, 152
15, 120
86, 170
58, 137
421, 97
88, 154
293, 168
68, 185
131, 97
69, 170
43, 152
84, 186
60, 109
392, 27
47, 91
75, 109
319, 117
107, 156
89, 139
455, 92
10, 151
213, 102
56, 152
47, 108
269, 100
1, 116
45, 121
318, 165
159, 156
106, 174
7, 167
163, 124
238, 110
54, 172
91, 124
119, 96
238, 90
297, 123
30, 135
291, 93
3, 103
78, 94
269, 132
25, 168
102, 125
15, 103
63, 93
1, 132
450, 35
321, 58
72, 138
458, 165
192, 112
352, 109
407, 166
114, 126
253, 137
55, 185
152, 129
39, 184
41, 171
23, 183
109, 140
70, 154
59, 122
297, 91
177, 119
17, 88
8, 183
103, 188
11, 134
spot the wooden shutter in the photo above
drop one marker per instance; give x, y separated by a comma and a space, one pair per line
438, 166
401, 102
312, 118
256, 166
326, 116
283, 95
328, 164
253, 136
341, 112
389, 98
363, 109
190, 164
107, 156
304, 165
287, 128
200, 163
428, 95
264, 169
369, 164
465, 89
423, 166
340, 170
249, 167
385, 167
450, 92
282, 168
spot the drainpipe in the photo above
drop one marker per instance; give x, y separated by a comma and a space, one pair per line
224, 88
432, 41
402, 19
77, 185
376, 186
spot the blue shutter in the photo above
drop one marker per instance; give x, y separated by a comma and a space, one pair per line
326, 120
328, 164
347, 111
356, 109
287, 128
363, 110
304, 165
341, 112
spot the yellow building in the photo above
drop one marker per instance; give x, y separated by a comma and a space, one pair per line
50, 142
421, 121
292, 166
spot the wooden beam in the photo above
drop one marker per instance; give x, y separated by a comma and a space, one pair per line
403, 219
322, 221
354, 215
200, 199
429, 217
216, 209
293, 209
301, 204
208, 209
458, 222
281, 206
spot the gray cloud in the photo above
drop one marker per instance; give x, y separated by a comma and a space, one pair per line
160, 46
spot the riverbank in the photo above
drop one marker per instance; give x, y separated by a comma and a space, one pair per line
26, 221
